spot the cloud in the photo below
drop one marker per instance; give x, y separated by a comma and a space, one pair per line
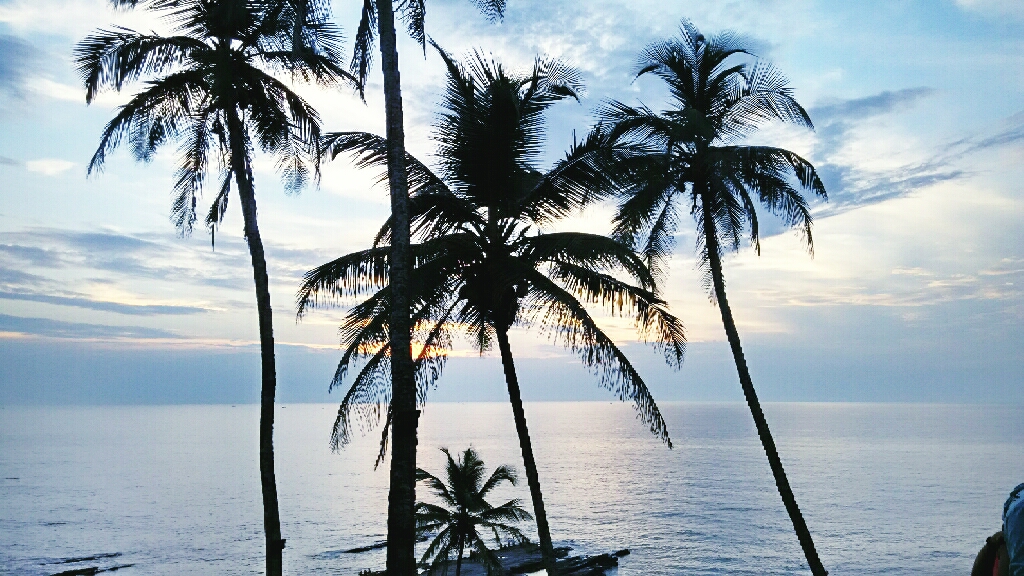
101, 242
59, 329
850, 188
881, 103
17, 59
31, 254
78, 301
10, 277
137, 275
45, 166
1011, 135
852, 183
124, 255
994, 7
49, 166
835, 120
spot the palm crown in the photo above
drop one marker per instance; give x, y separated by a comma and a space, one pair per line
456, 524
693, 154
220, 63
481, 264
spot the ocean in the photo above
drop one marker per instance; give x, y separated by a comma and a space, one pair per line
885, 488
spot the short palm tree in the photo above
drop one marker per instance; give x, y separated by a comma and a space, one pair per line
211, 86
693, 154
456, 524
482, 266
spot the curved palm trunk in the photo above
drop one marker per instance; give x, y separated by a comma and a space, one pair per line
401, 559
781, 481
246, 192
543, 533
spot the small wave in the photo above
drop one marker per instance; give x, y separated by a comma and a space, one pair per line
85, 558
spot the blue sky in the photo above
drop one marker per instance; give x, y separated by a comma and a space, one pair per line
913, 294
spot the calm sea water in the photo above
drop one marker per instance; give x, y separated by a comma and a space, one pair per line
885, 489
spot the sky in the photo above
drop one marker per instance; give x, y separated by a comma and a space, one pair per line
913, 293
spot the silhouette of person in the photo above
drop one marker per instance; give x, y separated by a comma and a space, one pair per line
1013, 530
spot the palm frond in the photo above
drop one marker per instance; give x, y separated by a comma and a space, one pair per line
414, 14
219, 207
110, 58
492, 9
650, 313
499, 516
362, 54
572, 326
370, 151
592, 251
189, 177
583, 177
350, 275
503, 473
765, 96
151, 117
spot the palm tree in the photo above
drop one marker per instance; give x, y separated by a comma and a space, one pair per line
482, 266
380, 14
456, 525
693, 154
211, 85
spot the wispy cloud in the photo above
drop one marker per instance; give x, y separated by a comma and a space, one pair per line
16, 61
126, 255
1000, 8
881, 103
128, 274
33, 255
1012, 134
103, 306
46, 327
45, 166
852, 183
49, 166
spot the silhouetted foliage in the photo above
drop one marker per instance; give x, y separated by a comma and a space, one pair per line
211, 87
693, 155
481, 263
457, 523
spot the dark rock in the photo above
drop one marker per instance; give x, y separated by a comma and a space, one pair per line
79, 572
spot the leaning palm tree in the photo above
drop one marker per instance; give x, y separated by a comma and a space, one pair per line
481, 265
378, 19
456, 524
210, 86
693, 154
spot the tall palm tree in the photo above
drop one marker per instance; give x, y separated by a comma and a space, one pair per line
457, 523
210, 85
482, 266
378, 18
693, 154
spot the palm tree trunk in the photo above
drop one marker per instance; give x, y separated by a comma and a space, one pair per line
781, 481
247, 194
401, 559
458, 561
543, 533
